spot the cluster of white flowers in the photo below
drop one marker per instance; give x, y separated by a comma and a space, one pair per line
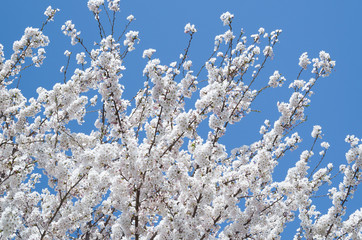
190, 28
80, 58
148, 53
317, 132
69, 30
261, 31
32, 35
297, 84
325, 145
130, 18
113, 5
304, 60
50, 13
24, 48
352, 139
94, 5
274, 34
10, 221
228, 36
93, 100
39, 58
145, 171
268, 51
324, 65
67, 53
187, 65
226, 18
130, 41
276, 80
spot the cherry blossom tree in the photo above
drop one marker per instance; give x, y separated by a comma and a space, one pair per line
145, 171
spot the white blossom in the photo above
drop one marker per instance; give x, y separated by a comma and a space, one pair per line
50, 12
130, 18
228, 36
226, 18
187, 65
94, 5
323, 65
113, 5
148, 53
276, 80
90, 158
268, 51
130, 41
93, 100
39, 58
67, 53
261, 31
9, 222
80, 58
325, 145
190, 28
304, 60
297, 84
69, 30
173, 64
317, 131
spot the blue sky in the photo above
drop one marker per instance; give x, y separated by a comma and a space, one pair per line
308, 26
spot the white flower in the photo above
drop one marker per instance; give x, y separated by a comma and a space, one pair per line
67, 53
38, 60
113, 5
268, 51
304, 60
93, 100
173, 64
50, 12
255, 37
256, 50
351, 139
324, 65
325, 145
226, 18
187, 65
130, 18
148, 53
297, 84
228, 36
93, 5
69, 30
276, 80
80, 58
261, 31
9, 221
190, 28
131, 38
155, 160
317, 131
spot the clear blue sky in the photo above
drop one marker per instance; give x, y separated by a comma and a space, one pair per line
308, 26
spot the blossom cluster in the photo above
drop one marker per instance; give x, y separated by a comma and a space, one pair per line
131, 38
190, 28
94, 5
32, 39
146, 170
50, 13
69, 30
